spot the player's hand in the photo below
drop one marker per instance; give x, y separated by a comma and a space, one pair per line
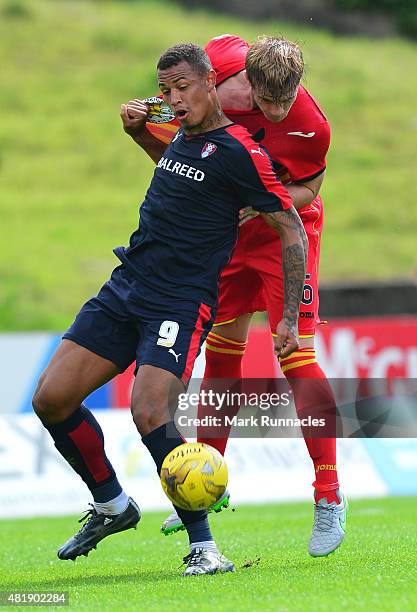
133, 115
286, 339
246, 214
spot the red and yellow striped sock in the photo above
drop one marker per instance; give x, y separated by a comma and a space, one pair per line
312, 395
223, 360
223, 357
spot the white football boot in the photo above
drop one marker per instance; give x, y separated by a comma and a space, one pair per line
329, 526
203, 561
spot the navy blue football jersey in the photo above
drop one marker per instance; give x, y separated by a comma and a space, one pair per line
189, 218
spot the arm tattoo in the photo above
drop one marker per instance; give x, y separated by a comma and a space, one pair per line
287, 218
294, 253
293, 261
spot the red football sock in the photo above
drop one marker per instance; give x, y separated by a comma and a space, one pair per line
315, 398
223, 361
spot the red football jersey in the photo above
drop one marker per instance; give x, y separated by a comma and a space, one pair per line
298, 144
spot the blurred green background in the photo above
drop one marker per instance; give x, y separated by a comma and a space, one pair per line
71, 180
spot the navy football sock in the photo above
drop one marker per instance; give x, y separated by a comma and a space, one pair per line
160, 442
80, 441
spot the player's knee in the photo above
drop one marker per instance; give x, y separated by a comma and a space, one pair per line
48, 402
148, 413
37, 398
235, 331
146, 417
154, 398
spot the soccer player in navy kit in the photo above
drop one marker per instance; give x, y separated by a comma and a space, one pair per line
159, 304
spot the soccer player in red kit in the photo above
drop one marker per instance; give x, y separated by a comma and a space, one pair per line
259, 88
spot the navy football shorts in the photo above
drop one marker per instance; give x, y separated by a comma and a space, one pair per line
126, 322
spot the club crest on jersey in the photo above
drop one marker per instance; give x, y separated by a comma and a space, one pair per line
208, 149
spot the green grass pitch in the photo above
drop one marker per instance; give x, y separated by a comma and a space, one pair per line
375, 569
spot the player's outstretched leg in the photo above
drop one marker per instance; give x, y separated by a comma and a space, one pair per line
73, 373
223, 361
314, 397
329, 525
151, 414
204, 556
223, 369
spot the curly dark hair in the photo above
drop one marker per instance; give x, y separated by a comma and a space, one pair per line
194, 55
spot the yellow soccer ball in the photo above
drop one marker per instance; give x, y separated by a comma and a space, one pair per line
194, 476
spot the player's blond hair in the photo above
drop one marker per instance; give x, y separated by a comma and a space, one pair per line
274, 67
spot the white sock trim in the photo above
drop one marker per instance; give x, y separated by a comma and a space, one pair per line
207, 545
113, 506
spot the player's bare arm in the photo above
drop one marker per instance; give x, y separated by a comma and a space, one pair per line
134, 115
294, 249
304, 193
301, 195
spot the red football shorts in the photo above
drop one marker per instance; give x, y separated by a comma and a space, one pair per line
253, 280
